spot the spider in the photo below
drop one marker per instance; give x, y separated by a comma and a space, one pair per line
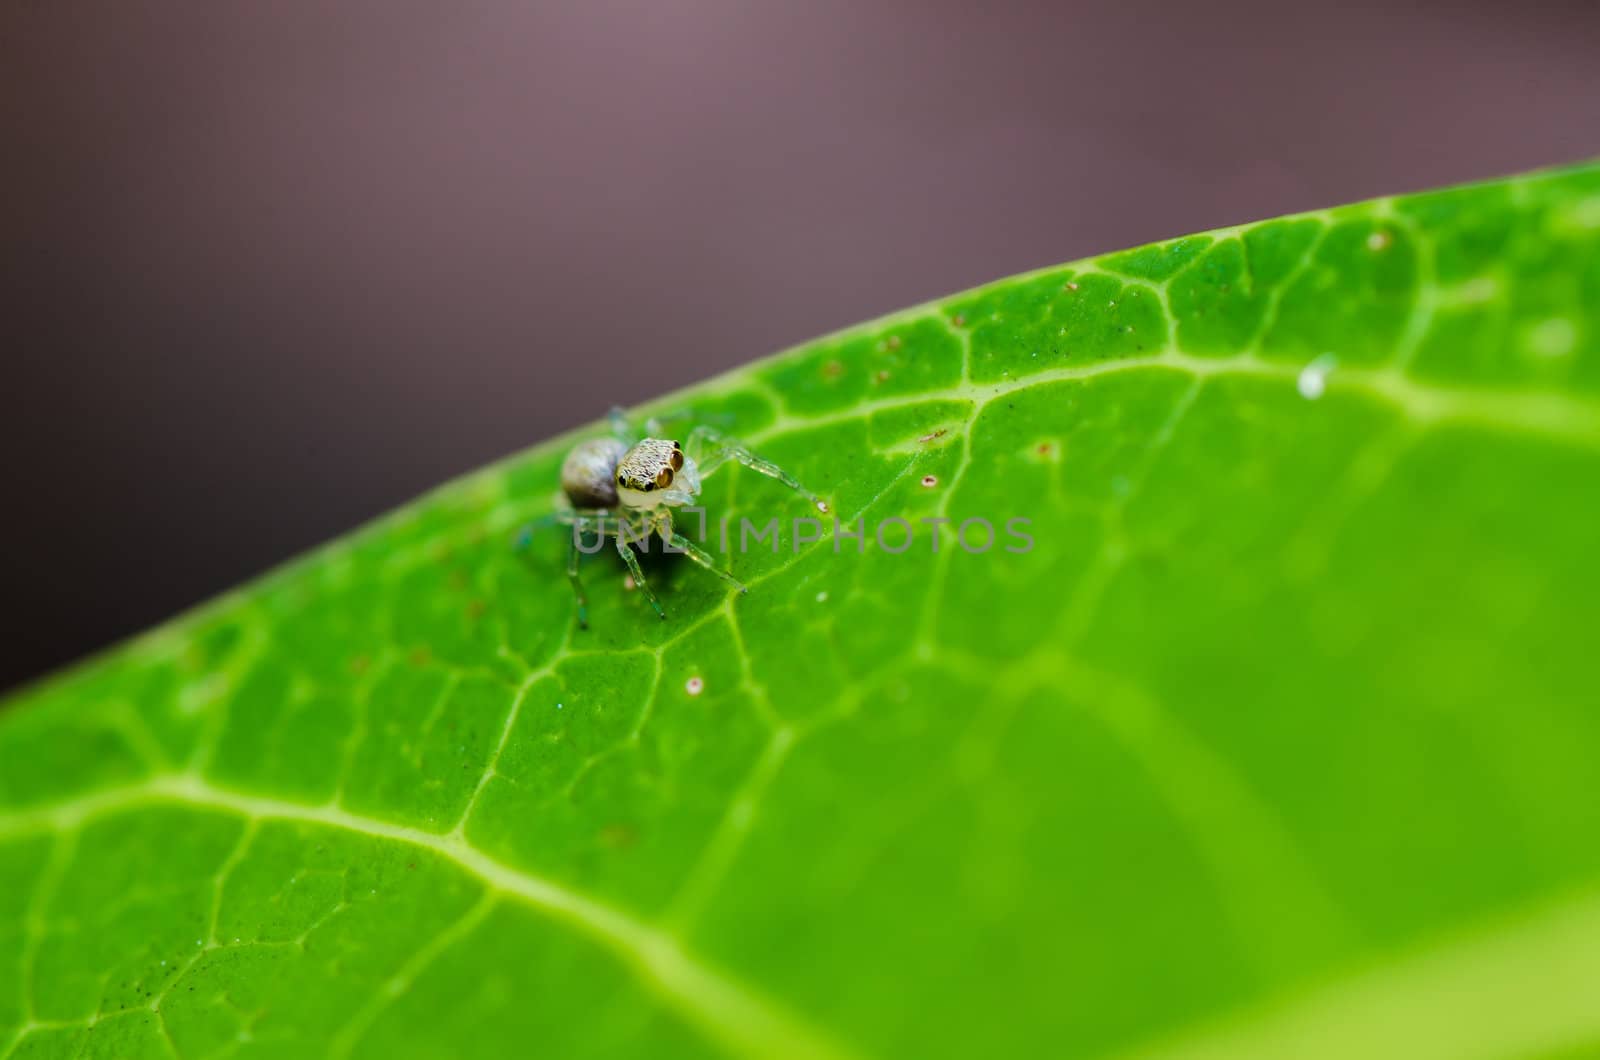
625, 488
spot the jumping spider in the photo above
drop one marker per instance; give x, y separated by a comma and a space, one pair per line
625, 488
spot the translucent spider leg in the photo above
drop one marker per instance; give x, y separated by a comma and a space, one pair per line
574, 557
711, 449
583, 522
621, 426
702, 557
524, 536
625, 550
677, 541
654, 427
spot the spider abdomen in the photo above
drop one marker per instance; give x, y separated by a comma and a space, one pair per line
589, 474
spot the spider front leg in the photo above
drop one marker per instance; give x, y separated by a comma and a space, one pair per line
625, 550
694, 551
710, 449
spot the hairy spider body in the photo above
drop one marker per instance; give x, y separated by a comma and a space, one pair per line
625, 488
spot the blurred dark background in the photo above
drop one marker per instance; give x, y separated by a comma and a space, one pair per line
268, 269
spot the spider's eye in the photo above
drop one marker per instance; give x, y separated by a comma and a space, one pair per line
648, 486
677, 458
664, 477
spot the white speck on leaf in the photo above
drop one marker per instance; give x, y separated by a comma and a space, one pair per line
822, 597
694, 686
929, 481
1313, 380
1379, 240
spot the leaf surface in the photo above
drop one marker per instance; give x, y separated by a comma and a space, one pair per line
1279, 739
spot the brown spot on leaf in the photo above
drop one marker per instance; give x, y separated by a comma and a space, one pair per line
618, 836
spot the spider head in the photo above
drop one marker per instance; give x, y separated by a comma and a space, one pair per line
655, 473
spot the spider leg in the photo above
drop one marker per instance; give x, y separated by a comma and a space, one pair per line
574, 556
524, 536
702, 557
626, 551
710, 449
655, 426
621, 426
662, 524
559, 517
589, 518
584, 522
597, 522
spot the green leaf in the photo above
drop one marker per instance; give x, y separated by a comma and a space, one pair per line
1281, 738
